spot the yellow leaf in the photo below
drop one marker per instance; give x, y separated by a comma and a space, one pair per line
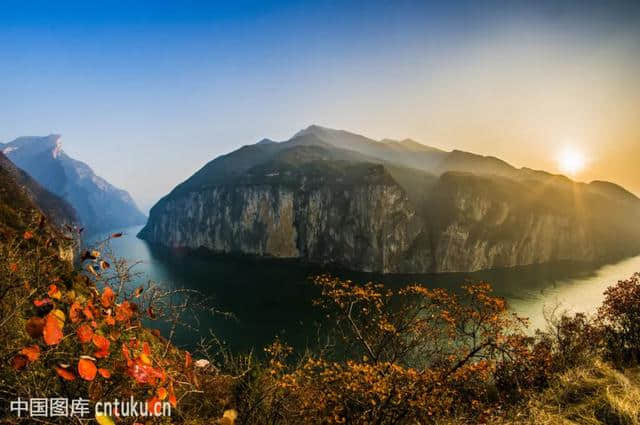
145, 359
103, 419
59, 314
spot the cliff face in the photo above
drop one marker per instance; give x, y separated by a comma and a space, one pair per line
482, 223
307, 199
368, 227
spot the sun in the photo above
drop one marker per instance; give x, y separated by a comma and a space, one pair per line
571, 160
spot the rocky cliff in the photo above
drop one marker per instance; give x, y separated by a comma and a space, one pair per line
367, 226
307, 198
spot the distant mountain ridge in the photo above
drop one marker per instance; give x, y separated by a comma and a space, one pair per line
99, 205
21, 195
330, 196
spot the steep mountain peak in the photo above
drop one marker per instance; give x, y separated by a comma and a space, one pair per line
320, 131
34, 145
266, 141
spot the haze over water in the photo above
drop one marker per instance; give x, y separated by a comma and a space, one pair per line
274, 297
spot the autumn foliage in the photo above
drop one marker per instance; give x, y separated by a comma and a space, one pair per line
74, 335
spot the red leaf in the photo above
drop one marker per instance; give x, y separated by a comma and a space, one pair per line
88, 313
74, 312
108, 296
146, 349
32, 352
27, 235
52, 330
85, 334
105, 373
19, 362
124, 311
87, 369
103, 346
40, 303
65, 373
116, 235
187, 359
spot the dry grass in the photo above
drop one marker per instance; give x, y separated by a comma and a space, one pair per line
589, 395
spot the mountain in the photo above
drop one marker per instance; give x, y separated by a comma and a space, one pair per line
333, 197
22, 199
99, 205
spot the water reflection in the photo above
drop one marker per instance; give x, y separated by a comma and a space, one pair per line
271, 298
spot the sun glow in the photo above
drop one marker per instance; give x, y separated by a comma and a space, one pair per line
571, 160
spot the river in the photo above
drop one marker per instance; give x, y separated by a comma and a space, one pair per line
271, 298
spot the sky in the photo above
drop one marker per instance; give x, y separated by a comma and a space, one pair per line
147, 92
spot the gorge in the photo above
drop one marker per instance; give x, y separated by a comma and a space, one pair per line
333, 197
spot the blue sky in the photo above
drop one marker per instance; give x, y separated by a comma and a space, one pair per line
147, 92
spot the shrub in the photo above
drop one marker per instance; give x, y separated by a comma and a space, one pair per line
619, 318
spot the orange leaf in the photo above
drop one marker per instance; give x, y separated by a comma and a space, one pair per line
162, 393
101, 354
32, 352
85, 333
104, 373
127, 355
146, 349
103, 346
108, 297
13, 267
87, 369
27, 235
154, 405
40, 303
104, 265
172, 399
100, 341
187, 359
65, 373
54, 292
74, 312
88, 313
124, 311
52, 330
34, 327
